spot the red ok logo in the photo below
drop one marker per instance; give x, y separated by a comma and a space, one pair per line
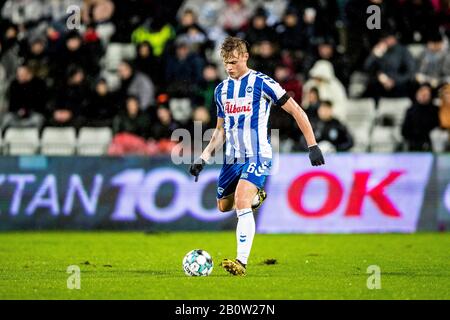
358, 193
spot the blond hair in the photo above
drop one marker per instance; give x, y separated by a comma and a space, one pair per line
233, 43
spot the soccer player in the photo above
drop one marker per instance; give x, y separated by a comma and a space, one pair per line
243, 104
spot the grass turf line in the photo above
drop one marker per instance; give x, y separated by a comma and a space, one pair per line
134, 265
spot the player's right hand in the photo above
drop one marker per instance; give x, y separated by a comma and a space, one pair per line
196, 167
316, 156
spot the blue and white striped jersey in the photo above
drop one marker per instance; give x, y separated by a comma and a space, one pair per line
245, 105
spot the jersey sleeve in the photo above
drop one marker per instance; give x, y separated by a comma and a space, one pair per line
218, 101
273, 91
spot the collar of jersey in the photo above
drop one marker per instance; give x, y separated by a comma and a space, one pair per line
241, 77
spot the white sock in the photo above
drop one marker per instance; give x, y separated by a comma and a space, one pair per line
245, 232
255, 201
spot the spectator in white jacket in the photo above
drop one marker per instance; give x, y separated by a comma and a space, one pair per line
322, 77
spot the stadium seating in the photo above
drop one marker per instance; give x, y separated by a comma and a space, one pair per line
394, 108
21, 141
383, 139
359, 120
416, 49
93, 141
181, 108
58, 141
115, 53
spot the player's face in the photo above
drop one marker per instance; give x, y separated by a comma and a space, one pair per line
236, 64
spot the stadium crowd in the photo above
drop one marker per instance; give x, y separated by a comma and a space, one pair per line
147, 67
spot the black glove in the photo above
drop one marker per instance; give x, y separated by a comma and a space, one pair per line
196, 167
315, 155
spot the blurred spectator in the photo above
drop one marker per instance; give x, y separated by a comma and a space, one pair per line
265, 59
27, 99
289, 31
156, 33
22, 12
9, 50
161, 132
206, 89
326, 50
360, 38
290, 38
147, 63
164, 125
444, 16
132, 119
327, 13
286, 78
259, 30
420, 119
330, 133
137, 84
434, 63
330, 88
234, 17
37, 58
311, 104
310, 29
98, 16
391, 68
102, 106
194, 34
183, 70
71, 100
132, 127
444, 110
74, 53
416, 19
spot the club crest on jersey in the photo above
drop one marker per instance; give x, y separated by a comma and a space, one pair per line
233, 108
249, 90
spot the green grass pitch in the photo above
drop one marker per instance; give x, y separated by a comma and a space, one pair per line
135, 265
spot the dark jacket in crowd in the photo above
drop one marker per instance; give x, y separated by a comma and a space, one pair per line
139, 125
418, 123
30, 96
334, 132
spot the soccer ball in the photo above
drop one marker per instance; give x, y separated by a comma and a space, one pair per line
197, 263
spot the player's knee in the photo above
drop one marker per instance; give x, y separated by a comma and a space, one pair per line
242, 202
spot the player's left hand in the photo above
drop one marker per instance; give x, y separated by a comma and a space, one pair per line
197, 167
316, 156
